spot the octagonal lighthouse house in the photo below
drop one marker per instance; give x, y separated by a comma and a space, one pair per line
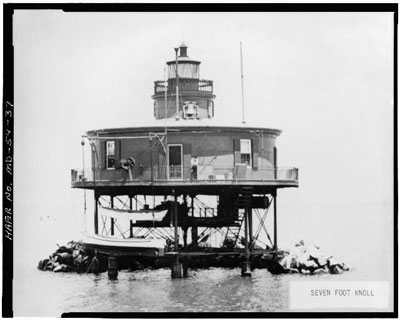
183, 184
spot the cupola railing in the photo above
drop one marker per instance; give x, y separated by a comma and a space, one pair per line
185, 85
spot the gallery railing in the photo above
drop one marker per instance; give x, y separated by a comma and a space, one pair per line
205, 173
185, 84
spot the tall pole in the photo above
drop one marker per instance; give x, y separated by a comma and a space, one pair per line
275, 225
177, 84
83, 177
241, 72
165, 93
275, 162
96, 198
166, 127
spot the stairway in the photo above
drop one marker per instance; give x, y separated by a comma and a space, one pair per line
242, 202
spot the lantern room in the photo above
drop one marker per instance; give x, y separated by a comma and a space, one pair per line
183, 95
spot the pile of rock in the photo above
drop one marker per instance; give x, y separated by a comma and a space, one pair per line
309, 259
71, 257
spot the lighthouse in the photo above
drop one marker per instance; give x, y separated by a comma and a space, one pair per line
184, 95
187, 185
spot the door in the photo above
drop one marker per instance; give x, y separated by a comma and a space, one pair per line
175, 161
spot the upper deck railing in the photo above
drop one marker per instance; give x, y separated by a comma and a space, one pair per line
175, 174
200, 85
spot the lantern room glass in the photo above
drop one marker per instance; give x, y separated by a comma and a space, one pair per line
185, 70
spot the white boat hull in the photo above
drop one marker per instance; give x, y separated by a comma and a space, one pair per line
130, 246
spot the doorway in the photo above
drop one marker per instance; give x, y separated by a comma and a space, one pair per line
175, 161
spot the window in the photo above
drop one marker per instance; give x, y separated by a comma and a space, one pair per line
110, 155
245, 151
210, 106
190, 110
185, 70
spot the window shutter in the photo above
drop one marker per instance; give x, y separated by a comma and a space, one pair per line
236, 145
117, 154
187, 149
103, 151
255, 160
236, 151
187, 156
254, 149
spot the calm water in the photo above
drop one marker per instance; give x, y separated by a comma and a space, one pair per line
364, 242
211, 290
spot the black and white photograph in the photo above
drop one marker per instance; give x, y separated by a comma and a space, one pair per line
199, 161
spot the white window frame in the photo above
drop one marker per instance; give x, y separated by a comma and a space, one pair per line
245, 153
175, 179
109, 154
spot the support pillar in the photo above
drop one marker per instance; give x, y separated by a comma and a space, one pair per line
96, 214
185, 229
192, 206
112, 269
250, 214
176, 268
246, 263
130, 222
195, 236
275, 224
112, 219
176, 240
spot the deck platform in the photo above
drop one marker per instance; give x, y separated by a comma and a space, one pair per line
206, 187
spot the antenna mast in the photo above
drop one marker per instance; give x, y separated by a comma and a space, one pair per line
241, 72
177, 83
166, 123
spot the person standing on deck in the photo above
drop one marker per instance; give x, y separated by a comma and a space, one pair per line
194, 163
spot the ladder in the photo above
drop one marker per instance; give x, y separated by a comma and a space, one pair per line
242, 202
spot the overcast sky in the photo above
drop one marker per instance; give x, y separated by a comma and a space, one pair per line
325, 79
